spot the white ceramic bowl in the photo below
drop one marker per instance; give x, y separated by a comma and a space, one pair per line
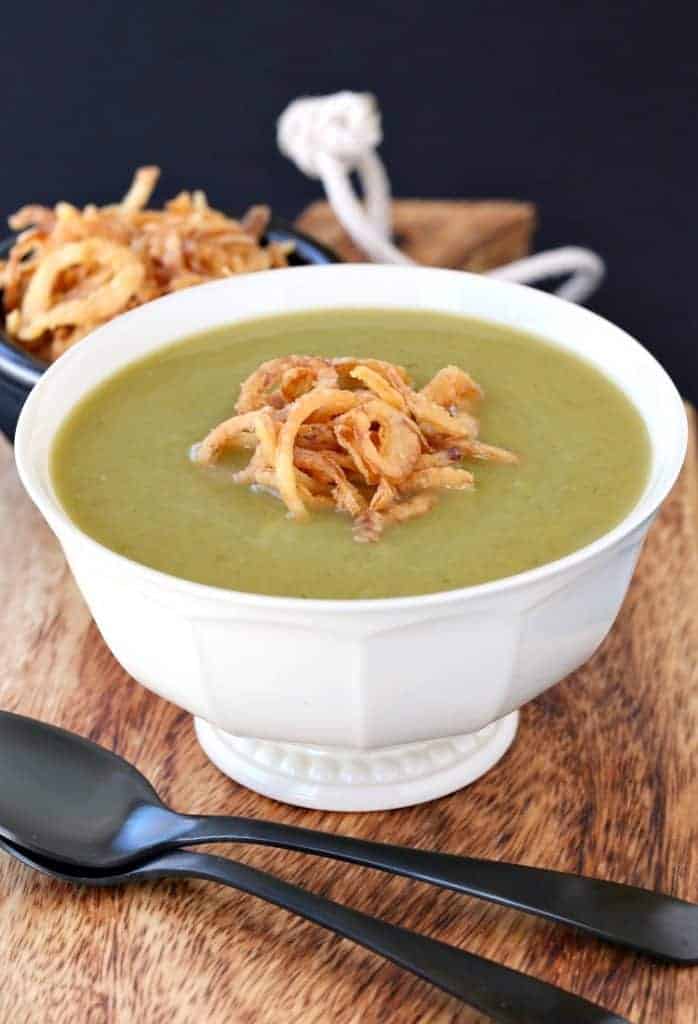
355, 705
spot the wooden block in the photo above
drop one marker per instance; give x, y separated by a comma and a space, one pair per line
464, 234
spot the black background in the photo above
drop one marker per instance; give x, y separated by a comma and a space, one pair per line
589, 109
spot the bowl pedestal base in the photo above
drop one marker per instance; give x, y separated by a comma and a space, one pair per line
348, 779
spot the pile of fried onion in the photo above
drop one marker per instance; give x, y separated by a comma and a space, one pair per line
353, 435
71, 270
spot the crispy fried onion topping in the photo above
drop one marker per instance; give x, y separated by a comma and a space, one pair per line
353, 435
71, 270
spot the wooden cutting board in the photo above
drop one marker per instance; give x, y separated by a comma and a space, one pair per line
602, 779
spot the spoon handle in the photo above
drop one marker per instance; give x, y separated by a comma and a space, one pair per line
503, 994
651, 923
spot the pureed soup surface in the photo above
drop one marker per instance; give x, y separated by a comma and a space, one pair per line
121, 465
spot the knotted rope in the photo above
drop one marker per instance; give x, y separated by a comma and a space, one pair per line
329, 137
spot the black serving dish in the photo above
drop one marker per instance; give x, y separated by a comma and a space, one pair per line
19, 371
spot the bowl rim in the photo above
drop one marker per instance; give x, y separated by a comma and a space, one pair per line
635, 519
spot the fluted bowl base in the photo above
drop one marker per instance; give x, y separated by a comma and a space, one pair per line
345, 779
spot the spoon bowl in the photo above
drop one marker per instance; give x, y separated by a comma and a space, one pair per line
67, 798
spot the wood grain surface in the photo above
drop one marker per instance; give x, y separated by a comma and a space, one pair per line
602, 779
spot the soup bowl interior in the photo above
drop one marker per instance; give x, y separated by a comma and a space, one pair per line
364, 704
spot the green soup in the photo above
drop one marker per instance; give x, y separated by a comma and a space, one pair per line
121, 466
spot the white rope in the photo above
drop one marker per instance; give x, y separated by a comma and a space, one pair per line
328, 137
586, 270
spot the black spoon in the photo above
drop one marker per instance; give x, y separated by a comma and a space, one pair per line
68, 799
503, 994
